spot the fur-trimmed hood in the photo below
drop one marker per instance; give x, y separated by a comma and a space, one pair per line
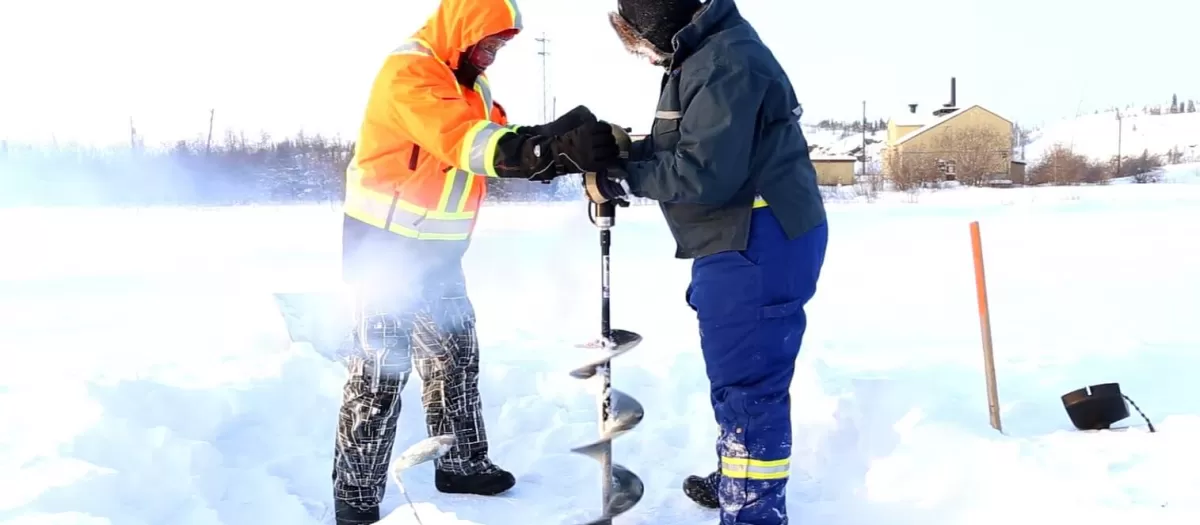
635, 43
709, 18
648, 28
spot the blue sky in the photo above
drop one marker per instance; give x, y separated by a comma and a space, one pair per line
285, 66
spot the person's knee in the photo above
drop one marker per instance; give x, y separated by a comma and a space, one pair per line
740, 404
386, 344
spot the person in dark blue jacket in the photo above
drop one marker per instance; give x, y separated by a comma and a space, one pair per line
729, 165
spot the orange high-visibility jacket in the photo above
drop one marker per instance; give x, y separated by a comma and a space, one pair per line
426, 142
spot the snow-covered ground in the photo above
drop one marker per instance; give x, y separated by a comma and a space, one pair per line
148, 378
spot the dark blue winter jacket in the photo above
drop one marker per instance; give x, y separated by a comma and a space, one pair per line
727, 131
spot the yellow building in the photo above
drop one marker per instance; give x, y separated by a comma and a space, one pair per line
834, 170
972, 145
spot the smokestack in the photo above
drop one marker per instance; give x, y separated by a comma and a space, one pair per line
912, 108
953, 93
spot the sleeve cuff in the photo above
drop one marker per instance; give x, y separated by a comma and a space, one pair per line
632, 182
479, 151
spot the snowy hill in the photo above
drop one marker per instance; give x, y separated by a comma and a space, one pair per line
1096, 135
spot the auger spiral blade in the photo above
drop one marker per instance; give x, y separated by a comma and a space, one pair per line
627, 491
624, 339
627, 412
618, 343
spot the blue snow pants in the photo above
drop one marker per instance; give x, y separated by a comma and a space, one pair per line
750, 308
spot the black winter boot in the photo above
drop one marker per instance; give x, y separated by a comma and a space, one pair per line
347, 514
703, 489
487, 483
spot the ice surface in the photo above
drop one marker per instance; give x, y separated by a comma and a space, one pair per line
148, 378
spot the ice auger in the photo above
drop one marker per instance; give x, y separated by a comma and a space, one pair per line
619, 412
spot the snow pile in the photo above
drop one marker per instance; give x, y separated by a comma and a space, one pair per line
1188, 173
148, 379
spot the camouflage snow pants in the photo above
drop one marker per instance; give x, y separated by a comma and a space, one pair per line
429, 326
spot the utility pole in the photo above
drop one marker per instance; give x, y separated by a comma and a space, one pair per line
1120, 125
545, 90
864, 140
212, 113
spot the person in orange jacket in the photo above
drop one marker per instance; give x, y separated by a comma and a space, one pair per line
430, 140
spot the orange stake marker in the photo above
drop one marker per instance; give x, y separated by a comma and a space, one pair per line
985, 329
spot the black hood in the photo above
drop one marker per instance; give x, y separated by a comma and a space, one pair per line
657, 21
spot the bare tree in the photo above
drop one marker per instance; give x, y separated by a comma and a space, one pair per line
910, 171
977, 153
871, 183
1061, 166
1022, 137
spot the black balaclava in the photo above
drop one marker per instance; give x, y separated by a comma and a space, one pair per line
467, 73
657, 21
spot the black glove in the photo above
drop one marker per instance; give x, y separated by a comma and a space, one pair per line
570, 120
588, 147
609, 185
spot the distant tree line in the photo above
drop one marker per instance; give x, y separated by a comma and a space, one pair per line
852, 126
1176, 106
303, 168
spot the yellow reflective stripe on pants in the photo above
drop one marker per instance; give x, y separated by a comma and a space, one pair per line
479, 147
404, 218
759, 202
746, 468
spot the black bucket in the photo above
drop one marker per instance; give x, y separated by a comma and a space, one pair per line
1096, 407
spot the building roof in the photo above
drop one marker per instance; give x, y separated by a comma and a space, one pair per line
833, 158
908, 118
937, 121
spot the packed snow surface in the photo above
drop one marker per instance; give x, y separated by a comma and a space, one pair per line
149, 378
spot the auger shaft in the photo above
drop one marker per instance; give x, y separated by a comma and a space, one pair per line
620, 488
604, 217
